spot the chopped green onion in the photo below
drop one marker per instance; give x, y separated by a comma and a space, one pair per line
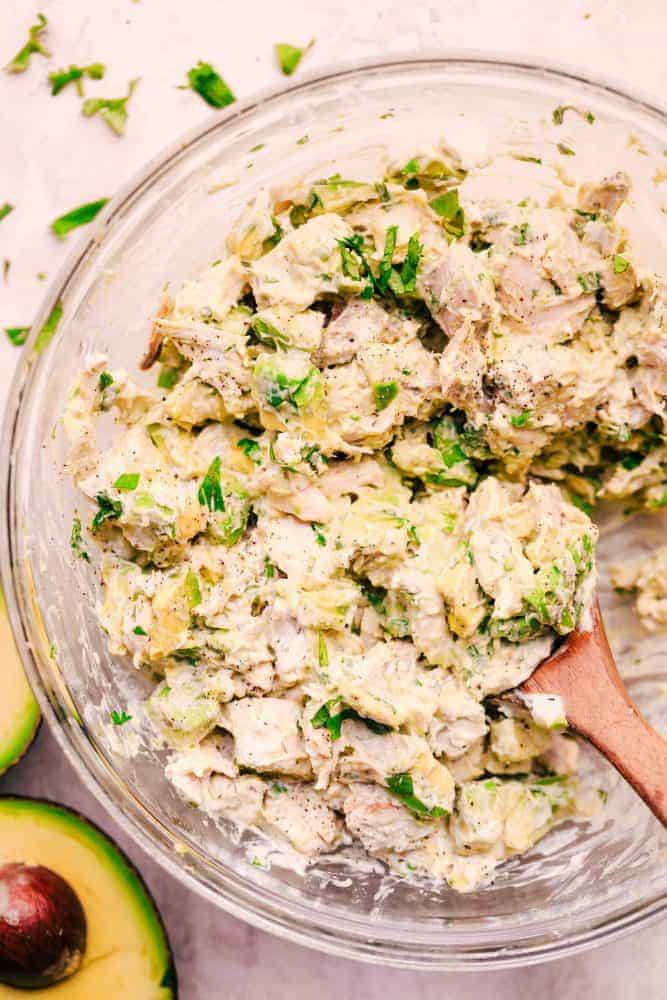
75, 74
289, 56
210, 490
127, 481
21, 60
5, 210
113, 111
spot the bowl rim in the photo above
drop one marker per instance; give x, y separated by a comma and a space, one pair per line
463, 952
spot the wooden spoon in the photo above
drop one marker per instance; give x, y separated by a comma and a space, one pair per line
583, 672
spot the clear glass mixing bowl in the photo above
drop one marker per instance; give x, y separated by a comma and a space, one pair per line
584, 883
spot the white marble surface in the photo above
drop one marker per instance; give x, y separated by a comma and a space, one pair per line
52, 159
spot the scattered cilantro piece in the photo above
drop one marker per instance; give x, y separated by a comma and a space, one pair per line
590, 281
21, 60
520, 234
105, 380
17, 334
49, 328
551, 779
526, 159
411, 263
558, 114
387, 258
112, 110
274, 239
277, 788
109, 510
187, 654
5, 210
80, 216
620, 264
289, 56
208, 83
564, 149
447, 207
521, 419
120, 718
6, 264
384, 393
210, 490
320, 537
402, 787
63, 77
127, 481
250, 449
325, 717
269, 568
76, 540
582, 504
138, 630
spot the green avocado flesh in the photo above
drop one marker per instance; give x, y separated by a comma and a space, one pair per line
19, 712
128, 954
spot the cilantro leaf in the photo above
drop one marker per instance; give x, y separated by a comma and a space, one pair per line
120, 718
401, 785
322, 651
325, 717
105, 381
210, 490
112, 110
620, 264
289, 56
5, 210
80, 216
17, 334
21, 60
138, 630
250, 449
167, 377
564, 150
63, 77
411, 263
188, 654
208, 83
109, 510
384, 393
76, 539
590, 281
387, 258
521, 419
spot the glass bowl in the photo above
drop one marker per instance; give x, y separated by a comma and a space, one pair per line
583, 884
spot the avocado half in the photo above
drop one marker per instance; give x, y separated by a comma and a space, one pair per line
19, 712
127, 954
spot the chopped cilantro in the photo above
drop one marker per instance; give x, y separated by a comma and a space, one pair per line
558, 114
564, 149
210, 490
138, 630
590, 281
5, 210
105, 381
582, 504
401, 785
76, 539
520, 234
120, 718
269, 568
325, 717
109, 510
49, 328
17, 334
277, 788
193, 588
250, 449
80, 216
521, 419
274, 239
208, 83
21, 60
127, 481
408, 274
289, 56
620, 264
526, 159
187, 654
384, 393
387, 258
75, 74
320, 537
113, 111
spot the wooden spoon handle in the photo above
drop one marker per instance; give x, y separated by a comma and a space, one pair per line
598, 706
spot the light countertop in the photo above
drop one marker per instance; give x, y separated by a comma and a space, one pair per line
52, 159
